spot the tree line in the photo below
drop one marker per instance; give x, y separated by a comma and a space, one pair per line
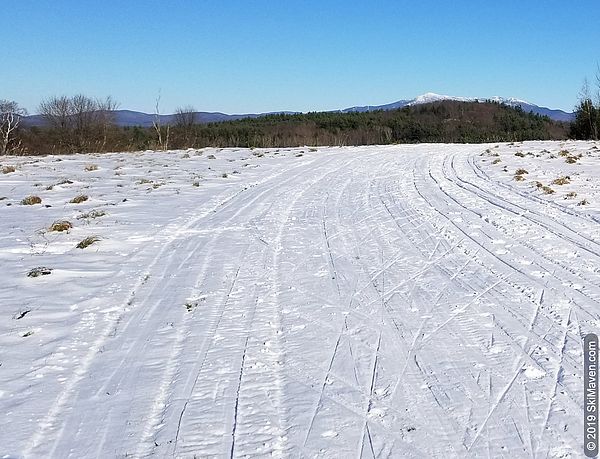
83, 124
586, 125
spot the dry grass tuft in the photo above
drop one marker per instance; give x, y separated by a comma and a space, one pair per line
521, 172
31, 200
571, 195
583, 202
547, 190
571, 159
61, 225
92, 214
79, 199
496, 161
211, 157
519, 178
87, 242
8, 169
562, 180
91, 167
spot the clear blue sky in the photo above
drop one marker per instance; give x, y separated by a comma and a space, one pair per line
256, 56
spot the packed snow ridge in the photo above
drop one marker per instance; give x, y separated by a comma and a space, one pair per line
384, 301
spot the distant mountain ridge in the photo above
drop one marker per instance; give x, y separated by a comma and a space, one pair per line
430, 97
125, 118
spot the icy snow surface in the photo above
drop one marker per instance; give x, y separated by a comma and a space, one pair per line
392, 301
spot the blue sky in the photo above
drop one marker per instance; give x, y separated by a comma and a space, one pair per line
257, 56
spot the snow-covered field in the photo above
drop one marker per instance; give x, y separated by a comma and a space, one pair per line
395, 301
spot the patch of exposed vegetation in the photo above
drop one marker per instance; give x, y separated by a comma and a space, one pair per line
79, 199
583, 202
31, 200
8, 169
91, 214
91, 167
519, 178
87, 242
562, 180
571, 159
521, 172
39, 271
61, 225
571, 195
547, 190
191, 305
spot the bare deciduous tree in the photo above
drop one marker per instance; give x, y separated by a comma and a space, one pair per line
106, 117
80, 121
185, 119
10, 118
163, 140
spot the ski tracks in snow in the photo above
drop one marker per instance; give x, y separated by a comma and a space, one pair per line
376, 302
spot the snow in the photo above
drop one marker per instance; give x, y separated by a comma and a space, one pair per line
403, 301
430, 97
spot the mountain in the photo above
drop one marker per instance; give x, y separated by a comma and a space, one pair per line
430, 97
133, 118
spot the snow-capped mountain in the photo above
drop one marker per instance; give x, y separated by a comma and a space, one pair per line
430, 97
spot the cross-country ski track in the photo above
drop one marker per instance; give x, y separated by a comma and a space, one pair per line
366, 302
